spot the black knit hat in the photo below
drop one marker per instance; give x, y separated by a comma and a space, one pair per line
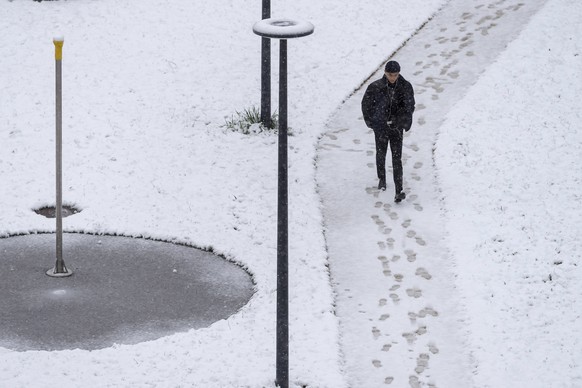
392, 67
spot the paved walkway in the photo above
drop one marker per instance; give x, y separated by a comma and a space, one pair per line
400, 317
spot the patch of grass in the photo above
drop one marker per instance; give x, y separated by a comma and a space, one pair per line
249, 121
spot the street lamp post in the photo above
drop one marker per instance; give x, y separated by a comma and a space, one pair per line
282, 29
266, 71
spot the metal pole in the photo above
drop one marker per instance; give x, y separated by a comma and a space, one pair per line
282, 379
60, 269
266, 71
59, 155
278, 28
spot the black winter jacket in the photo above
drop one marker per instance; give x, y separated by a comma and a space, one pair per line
378, 110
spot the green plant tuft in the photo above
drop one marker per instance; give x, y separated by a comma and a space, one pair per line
249, 121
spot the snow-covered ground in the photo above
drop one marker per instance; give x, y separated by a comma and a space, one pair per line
509, 165
147, 87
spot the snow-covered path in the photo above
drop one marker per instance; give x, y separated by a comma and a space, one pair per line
401, 319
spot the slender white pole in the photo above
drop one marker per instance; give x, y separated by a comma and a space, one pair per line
60, 269
59, 153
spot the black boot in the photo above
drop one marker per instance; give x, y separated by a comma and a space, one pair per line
399, 196
382, 184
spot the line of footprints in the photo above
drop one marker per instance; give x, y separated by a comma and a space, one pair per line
423, 358
413, 292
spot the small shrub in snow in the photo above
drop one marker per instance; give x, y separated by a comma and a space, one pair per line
249, 122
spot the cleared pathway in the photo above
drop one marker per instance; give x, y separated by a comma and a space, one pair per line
401, 322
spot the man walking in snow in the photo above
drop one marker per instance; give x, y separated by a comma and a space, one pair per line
387, 106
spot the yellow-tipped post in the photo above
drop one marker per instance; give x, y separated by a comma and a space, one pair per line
58, 41
60, 270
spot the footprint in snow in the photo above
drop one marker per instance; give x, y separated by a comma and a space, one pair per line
414, 292
423, 273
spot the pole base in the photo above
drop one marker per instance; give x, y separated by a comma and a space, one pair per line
54, 274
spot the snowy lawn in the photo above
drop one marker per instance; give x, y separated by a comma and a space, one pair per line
509, 164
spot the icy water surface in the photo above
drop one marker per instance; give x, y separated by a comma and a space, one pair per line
123, 290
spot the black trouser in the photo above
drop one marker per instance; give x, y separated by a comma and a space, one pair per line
394, 137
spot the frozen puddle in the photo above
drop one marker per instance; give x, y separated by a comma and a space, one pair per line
123, 291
